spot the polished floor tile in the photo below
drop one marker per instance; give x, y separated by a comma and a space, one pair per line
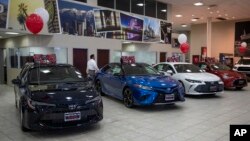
205, 118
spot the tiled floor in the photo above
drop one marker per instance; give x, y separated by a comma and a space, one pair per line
198, 119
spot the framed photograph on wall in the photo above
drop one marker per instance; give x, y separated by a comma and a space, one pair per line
196, 59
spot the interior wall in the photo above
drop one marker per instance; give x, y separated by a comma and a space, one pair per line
197, 39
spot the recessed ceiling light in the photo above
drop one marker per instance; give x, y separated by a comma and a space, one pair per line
193, 20
192, 15
11, 33
164, 10
233, 17
208, 8
184, 25
139, 4
178, 16
202, 18
211, 12
226, 14
126, 42
198, 4
218, 11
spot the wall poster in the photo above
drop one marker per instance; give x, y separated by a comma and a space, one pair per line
242, 34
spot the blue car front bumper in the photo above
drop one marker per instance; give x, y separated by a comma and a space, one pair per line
150, 97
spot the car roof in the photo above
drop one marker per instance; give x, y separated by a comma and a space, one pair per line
173, 63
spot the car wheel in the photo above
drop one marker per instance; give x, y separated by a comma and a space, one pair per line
239, 88
22, 120
128, 98
98, 87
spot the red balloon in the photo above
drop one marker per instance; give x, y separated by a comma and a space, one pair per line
242, 49
184, 47
34, 23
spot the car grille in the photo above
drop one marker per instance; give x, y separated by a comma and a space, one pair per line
62, 108
240, 82
207, 87
161, 97
244, 69
165, 90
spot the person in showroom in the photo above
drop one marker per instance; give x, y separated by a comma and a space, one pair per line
92, 68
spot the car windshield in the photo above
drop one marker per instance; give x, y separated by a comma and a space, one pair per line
219, 67
55, 74
244, 61
139, 69
187, 68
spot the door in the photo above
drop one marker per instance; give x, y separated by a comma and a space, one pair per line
80, 59
102, 57
163, 56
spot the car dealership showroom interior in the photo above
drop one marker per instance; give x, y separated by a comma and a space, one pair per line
124, 70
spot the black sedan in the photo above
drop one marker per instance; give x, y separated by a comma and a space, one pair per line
55, 96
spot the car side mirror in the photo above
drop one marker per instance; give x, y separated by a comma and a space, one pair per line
16, 81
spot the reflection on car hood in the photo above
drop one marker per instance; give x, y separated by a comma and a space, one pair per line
52, 93
153, 81
199, 76
229, 73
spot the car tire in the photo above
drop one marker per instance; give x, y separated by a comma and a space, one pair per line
239, 88
24, 129
98, 87
128, 98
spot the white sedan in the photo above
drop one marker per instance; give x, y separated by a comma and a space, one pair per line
194, 80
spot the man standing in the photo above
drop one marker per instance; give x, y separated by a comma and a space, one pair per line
92, 67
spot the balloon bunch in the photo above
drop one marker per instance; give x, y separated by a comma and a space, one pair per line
35, 21
243, 47
184, 46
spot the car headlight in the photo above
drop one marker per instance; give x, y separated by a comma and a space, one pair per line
193, 81
96, 99
32, 104
142, 87
221, 82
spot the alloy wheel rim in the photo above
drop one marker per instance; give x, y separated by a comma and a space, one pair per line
128, 97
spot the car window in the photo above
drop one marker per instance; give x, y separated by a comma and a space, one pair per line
244, 61
139, 69
220, 67
203, 66
167, 67
116, 70
159, 67
187, 68
54, 74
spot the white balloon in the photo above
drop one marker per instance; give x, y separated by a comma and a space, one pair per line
43, 13
182, 38
244, 44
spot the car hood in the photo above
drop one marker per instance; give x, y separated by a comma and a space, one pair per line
199, 76
56, 93
229, 73
153, 81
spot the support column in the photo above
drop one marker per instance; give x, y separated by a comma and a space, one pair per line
209, 36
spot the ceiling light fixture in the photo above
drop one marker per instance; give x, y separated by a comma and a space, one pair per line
218, 11
164, 10
226, 14
233, 17
140, 4
126, 42
11, 33
198, 4
211, 12
178, 16
184, 25
219, 15
192, 15
193, 20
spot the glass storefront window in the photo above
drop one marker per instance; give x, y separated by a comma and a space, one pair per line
19, 56
123, 5
137, 6
162, 10
150, 8
106, 3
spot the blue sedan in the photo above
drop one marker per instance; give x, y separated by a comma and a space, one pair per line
138, 84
